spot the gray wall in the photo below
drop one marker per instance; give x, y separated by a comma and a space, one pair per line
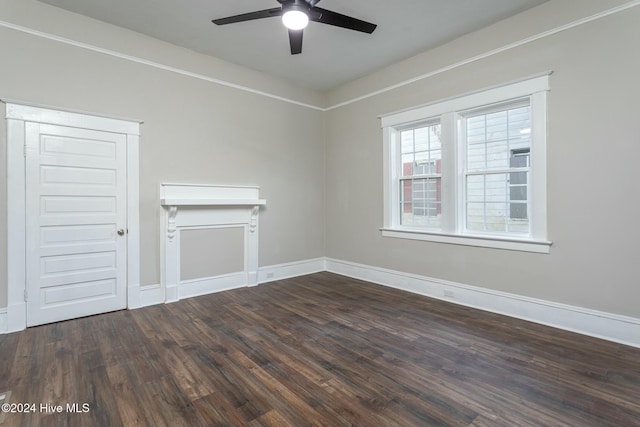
593, 149
321, 173
211, 252
194, 131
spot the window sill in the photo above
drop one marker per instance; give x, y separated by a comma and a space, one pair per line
507, 243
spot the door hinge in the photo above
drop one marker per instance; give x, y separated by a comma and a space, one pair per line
25, 295
25, 150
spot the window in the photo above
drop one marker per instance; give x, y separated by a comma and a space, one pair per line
496, 140
470, 170
420, 180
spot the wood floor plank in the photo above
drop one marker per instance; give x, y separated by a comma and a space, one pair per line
318, 350
216, 411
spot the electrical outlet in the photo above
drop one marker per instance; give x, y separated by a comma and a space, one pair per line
448, 293
270, 275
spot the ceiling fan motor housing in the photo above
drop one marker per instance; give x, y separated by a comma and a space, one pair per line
306, 11
295, 15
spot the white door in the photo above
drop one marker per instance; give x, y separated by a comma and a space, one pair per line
76, 217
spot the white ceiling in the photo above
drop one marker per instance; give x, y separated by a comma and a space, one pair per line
330, 56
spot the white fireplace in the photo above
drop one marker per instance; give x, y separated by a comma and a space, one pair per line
200, 207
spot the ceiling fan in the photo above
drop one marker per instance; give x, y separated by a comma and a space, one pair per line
296, 14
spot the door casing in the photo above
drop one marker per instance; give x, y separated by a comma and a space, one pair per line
16, 116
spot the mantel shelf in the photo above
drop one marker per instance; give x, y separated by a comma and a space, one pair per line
212, 202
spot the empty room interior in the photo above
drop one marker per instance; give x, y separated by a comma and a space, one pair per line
405, 213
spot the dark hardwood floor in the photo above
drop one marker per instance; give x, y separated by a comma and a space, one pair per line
321, 350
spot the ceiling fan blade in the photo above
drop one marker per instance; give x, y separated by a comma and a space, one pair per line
309, 2
295, 41
344, 21
267, 13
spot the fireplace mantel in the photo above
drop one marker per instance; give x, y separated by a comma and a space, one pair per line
213, 202
197, 206
209, 195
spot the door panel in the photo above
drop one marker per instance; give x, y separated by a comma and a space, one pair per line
54, 266
83, 292
68, 205
75, 204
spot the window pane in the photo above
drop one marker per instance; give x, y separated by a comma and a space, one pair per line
421, 157
406, 138
407, 164
518, 211
518, 192
518, 178
421, 136
494, 136
486, 217
494, 205
422, 147
420, 203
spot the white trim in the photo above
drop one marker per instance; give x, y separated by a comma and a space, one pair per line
153, 294
61, 117
16, 317
153, 64
3, 320
538, 187
16, 116
481, 97
508, 243
599, 324
490, 53
16, 225
287, 270
207, 285
210, 195
218, 206
133, 220
527, 40
212, 202
146, 296
179, 191
29, 105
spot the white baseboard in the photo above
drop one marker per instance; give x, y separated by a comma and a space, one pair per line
16, 317
133, 296
290, 269
3, 320
144, 296
608, 326
150, 295
208, 285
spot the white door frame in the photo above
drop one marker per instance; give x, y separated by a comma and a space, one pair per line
16, 115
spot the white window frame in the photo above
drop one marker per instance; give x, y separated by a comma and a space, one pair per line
447, 112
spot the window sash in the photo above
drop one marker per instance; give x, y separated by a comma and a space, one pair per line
486, 189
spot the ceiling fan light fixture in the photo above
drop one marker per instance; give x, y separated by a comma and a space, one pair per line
295, 19
296, 14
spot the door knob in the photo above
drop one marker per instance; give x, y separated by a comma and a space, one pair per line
121, 232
